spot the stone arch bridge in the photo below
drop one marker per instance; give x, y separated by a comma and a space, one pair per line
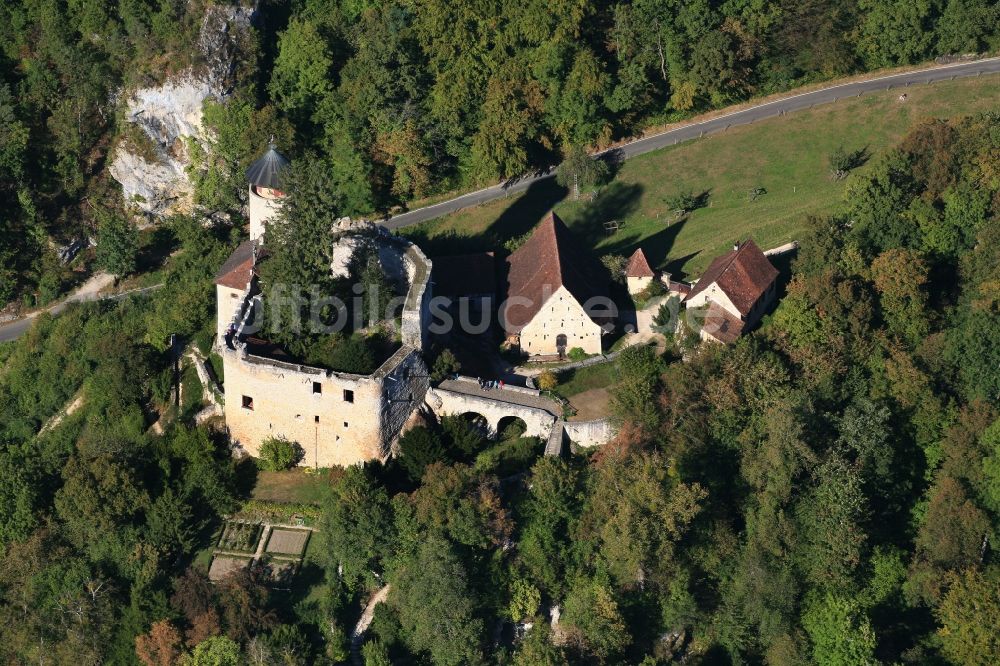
497, 406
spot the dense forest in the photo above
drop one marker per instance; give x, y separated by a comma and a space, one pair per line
402, 98
825, 491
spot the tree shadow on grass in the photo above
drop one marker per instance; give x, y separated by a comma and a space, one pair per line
520, 217
526, 211
676, 266
614, 203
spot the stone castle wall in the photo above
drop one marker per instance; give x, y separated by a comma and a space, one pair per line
589, 433
416, 311
337, 418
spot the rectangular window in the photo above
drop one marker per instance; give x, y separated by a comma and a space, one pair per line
345, 424
247, 402
317, 388
316, 419
348, 395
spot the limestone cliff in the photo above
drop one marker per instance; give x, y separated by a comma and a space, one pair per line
154, 175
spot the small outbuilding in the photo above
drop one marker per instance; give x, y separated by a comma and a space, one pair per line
735, 292
638, 273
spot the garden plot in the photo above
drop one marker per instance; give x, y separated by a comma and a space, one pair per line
287, 541
240, 537
223, 565
282, 571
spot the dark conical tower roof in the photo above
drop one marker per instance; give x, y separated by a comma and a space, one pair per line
266, 171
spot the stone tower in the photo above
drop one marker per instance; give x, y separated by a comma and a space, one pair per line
264, 177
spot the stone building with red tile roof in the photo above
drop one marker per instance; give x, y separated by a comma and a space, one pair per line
735, 292
557, 294
232, 283
638, 274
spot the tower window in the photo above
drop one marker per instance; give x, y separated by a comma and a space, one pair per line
247, 402
348, 395
317, 388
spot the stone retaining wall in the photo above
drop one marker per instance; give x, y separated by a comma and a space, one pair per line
589, 433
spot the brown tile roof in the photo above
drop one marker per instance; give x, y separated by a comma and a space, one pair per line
743, 274
638, 266
238, 269
549, 259
465, 275
722, 324
679, 287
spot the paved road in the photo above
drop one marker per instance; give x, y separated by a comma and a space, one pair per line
795, 102
87, 292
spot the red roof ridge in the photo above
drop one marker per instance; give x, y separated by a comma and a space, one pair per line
550, 223
751, 278
537, 269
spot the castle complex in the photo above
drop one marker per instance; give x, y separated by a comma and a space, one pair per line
337, 418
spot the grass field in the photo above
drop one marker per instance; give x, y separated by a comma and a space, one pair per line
579, 380
294, 485
787, 156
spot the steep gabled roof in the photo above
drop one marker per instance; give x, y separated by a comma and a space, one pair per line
743, 274
638, 266
238, 269
266, 171
551, 258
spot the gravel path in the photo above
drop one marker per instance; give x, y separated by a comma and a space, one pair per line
88, 291
358, 635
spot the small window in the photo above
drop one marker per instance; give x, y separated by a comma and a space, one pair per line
234, 295
247, 402
348, 395
316, 419
317, 388
345, 424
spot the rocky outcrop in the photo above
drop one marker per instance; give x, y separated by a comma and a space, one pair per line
155, 177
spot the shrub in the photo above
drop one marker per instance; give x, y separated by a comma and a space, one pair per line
444, 365
547, 380
577, 354
510, 456
843, 161
418, 448
282, 512
682, 201
354, 353
277, 454
463, 438
117, 244
615, 263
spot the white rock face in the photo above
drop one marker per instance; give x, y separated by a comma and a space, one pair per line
171, 114
343, 252
161, 187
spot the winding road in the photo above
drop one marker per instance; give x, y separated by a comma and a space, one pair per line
694, 130
88, 291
